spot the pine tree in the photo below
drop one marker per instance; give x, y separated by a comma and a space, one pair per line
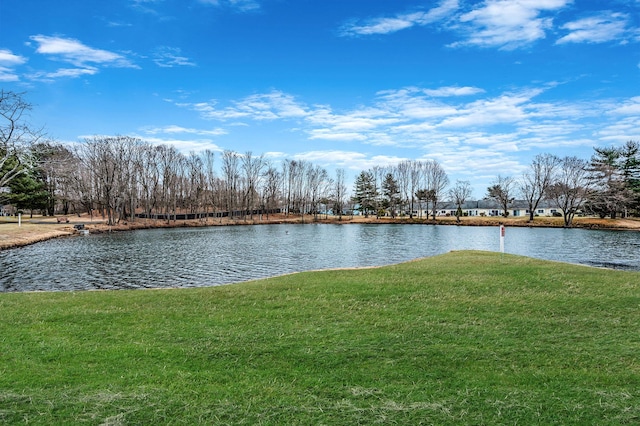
365, 193
391, 193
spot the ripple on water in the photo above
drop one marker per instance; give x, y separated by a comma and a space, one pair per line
194, 257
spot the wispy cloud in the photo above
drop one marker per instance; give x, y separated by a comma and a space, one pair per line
465, 128
603, 27
62, 73
174, 129
386, 25
453, 91
86, 59
8, 62
508, 24
77, 53
269, 106
169, 57
239, 5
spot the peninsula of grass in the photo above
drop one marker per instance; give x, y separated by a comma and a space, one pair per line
462, 338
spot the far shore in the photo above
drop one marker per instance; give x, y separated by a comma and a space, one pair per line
38, 228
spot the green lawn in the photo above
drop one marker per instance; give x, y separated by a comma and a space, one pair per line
462, 338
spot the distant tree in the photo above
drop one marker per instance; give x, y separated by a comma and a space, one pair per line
391, 194
535, 181
630, 166
252, 167
436, 181
231, 176
272, 180
318, 184
423, 196
501, 191
16, 136
459, 194
339, 193
571, 187
28, 192
365, 193
608, 193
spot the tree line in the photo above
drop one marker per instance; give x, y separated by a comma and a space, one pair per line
121, 177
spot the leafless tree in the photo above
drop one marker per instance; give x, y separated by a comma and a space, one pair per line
16, 136
459, 194
231, 178
535, 181
271, 184
436, 180
502, 190
252, 167
339, 193
570, 189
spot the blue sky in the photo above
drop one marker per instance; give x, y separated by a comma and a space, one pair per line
479, 86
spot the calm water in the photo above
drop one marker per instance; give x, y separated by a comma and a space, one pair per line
196, 257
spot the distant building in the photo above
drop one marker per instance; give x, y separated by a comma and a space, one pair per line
486, 207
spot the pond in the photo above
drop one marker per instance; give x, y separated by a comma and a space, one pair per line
197, 257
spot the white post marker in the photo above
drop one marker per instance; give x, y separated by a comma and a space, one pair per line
501, 238
19, 220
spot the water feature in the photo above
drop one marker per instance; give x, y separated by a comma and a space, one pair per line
196, 257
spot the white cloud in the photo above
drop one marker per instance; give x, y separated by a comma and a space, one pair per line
462, 127
8, 58
8, 61
606, 26
508, 24
269, 106
629, 107
355, 161
401, 21
453, 91
71, 72
173, 129
168, 57
240, 5
78, 54
507, 108
189, 145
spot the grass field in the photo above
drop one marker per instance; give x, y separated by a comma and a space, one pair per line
462, 338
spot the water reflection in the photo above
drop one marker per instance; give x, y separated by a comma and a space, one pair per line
188, 257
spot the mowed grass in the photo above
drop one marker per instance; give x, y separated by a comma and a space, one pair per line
462, 338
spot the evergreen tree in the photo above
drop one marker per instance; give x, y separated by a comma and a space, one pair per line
630, 166
365, 193
391, 193
609, 194
28, 192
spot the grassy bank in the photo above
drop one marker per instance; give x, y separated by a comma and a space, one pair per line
463, 338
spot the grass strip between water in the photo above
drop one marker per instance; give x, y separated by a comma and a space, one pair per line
462, 338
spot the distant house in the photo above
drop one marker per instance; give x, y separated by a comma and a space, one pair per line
486, 207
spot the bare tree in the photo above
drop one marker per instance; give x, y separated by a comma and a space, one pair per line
318, 182
535, 182
252, 168
149, 178
437, 181
231, 176
271, 183
459, 194
208, 159
16, 136
339, 193
402, 176
501, 190
571, 187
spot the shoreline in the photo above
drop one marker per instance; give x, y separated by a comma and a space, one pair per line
39, 229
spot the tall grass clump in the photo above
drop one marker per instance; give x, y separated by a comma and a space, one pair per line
462, 338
